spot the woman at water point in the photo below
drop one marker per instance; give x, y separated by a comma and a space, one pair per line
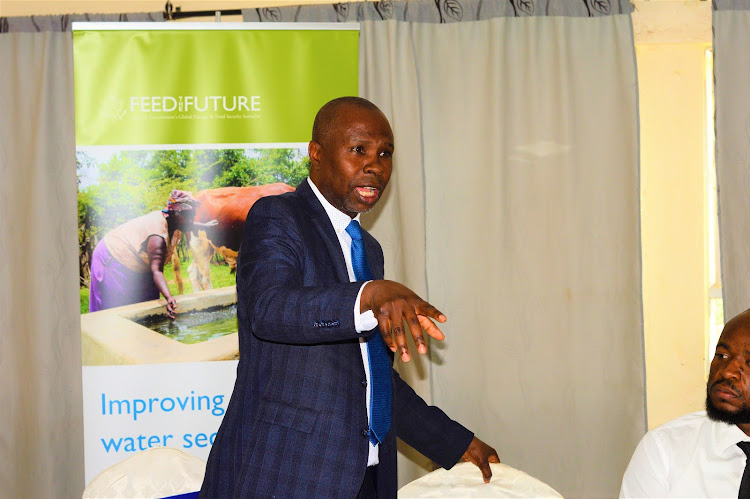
127, 265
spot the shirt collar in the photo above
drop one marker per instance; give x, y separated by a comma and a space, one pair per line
727, 435
339, 219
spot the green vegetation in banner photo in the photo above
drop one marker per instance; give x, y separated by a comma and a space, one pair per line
116, 186
207, 87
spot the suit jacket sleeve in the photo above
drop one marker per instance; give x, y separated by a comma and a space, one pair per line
272, 283
427, 428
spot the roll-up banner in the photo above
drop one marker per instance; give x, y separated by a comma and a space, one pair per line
180, 128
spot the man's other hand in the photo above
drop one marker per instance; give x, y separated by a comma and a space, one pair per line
481, 455
393, 304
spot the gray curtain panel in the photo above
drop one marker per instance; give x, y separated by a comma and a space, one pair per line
514, 207
41, 439
731, 28
533, 245
529, 182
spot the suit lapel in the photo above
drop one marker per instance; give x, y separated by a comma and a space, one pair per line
323, 225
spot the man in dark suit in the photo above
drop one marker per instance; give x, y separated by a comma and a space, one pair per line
312, 414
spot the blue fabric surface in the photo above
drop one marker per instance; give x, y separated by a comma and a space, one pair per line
189, 495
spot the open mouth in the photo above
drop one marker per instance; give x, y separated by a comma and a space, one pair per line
367, 193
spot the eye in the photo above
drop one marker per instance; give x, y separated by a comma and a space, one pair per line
720, 355
386, 154
358, 149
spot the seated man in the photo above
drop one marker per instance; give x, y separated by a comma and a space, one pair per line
703, 454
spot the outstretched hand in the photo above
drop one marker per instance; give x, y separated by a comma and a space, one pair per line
481, 455
171, 307
393, 303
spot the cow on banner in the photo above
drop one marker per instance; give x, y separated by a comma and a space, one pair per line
229, 207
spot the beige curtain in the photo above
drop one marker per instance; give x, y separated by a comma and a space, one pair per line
41, 436
387, 76
731, 29
517, 149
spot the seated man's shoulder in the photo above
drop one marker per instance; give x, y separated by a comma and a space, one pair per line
679, 429
691, 420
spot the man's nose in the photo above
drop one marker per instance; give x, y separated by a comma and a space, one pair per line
733, 369
374, 164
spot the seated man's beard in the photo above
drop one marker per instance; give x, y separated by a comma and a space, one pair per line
741, 416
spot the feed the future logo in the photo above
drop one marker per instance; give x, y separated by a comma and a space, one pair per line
194, 103
189, 107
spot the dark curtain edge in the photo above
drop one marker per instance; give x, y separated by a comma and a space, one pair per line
431, 11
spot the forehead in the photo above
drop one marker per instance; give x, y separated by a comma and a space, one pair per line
351, 120
735, 337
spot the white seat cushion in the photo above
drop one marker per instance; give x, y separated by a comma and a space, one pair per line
465, 480
156, 472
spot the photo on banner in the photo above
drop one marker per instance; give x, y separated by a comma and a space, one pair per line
179, 130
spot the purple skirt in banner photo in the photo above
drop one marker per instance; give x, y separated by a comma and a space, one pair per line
114, 285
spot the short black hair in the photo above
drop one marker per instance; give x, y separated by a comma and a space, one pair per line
326, 115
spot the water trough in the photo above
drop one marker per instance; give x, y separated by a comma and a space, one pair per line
129, 334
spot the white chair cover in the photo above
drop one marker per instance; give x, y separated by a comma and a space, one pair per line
156, 472
465, 480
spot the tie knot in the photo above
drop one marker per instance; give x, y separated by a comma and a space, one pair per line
354, 230
745, 446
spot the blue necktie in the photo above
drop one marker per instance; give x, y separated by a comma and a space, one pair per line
377, 352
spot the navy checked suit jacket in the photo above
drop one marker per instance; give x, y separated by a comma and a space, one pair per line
296, 424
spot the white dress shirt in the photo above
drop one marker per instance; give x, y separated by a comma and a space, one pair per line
691, 456
362, 322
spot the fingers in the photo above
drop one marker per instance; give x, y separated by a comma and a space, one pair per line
400, 337
393, 334
171, 308
416, 332
481, 462
427, 312
430, 311
384, 324
431, 328
393, 304
484, 466
481, 455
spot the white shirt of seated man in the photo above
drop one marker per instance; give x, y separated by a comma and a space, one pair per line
691, 456
697, 455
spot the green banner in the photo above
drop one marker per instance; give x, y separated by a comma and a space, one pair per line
216, 116
207, 87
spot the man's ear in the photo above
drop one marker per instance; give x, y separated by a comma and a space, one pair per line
313, 150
